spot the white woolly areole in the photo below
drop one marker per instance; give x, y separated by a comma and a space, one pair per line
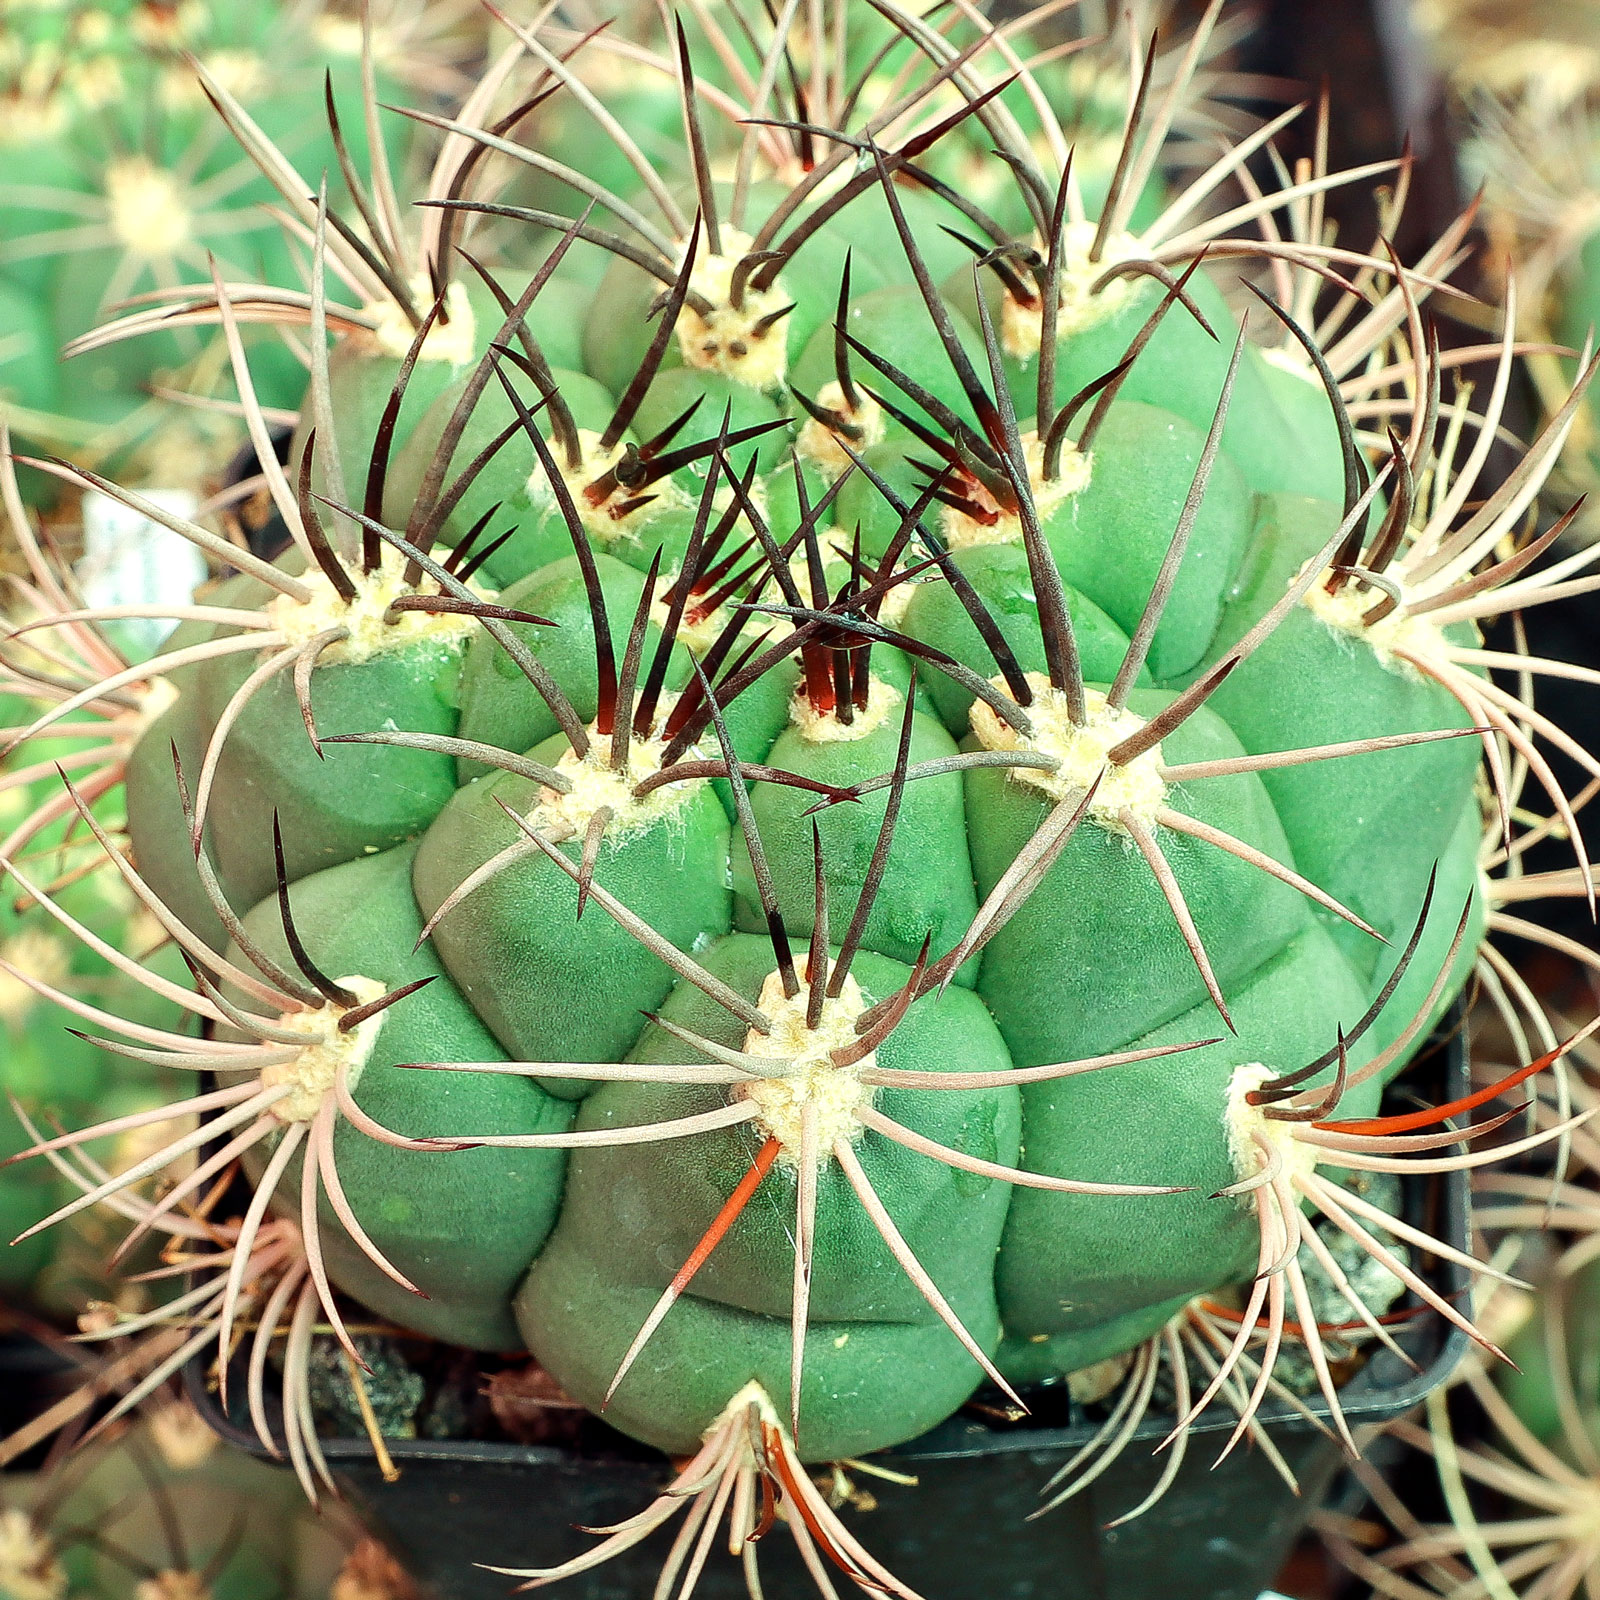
962, 531
339, 35
33, 117
312, 1073
820, 445
734, 1412
184, 1438
1093, 1383
824, 727
452, 340
1246, 1123
372, 630
94, 30
894, 605
1343, 612
594, 785
167, 26
837, 1093
95, 83
241, 72
1021, 326
145, 208
1293, 361
29, 1569
1080, 752
178, 1583
600, 521
726, 339
698, 629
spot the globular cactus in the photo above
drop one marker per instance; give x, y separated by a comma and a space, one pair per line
811, 817
1531, 150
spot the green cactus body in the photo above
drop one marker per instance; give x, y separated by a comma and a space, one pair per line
1098, 1002
130, 180
1328, 685
464, 1232
1532, 1387
1582, 295
615, 336
1110, 537
1076, 1273
49, 1072
28, 375
522, 920
26, 1198
871, 1333
1000, 577
1063, 1271
174, 1516
1181, 370
267, 765
511, 486
496, 707
362, 370
927, 888
892, 322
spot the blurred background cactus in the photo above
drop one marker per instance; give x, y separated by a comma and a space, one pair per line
1525, 83
121, 182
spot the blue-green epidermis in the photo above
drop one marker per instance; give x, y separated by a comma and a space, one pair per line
1256, 930
461, 1225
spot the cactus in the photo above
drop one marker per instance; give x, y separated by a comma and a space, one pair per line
270, 1281
161, 1513
920, 797
124, 183
1532, 152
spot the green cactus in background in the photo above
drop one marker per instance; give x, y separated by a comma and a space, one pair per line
918, 795
161, 1512
76, 941
1532, 150
122, 183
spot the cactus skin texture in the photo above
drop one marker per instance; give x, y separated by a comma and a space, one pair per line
784, 850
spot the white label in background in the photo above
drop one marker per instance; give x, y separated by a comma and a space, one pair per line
128, 560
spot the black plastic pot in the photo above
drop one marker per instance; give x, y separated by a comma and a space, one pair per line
961, 1533
33, 1376
265, 532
